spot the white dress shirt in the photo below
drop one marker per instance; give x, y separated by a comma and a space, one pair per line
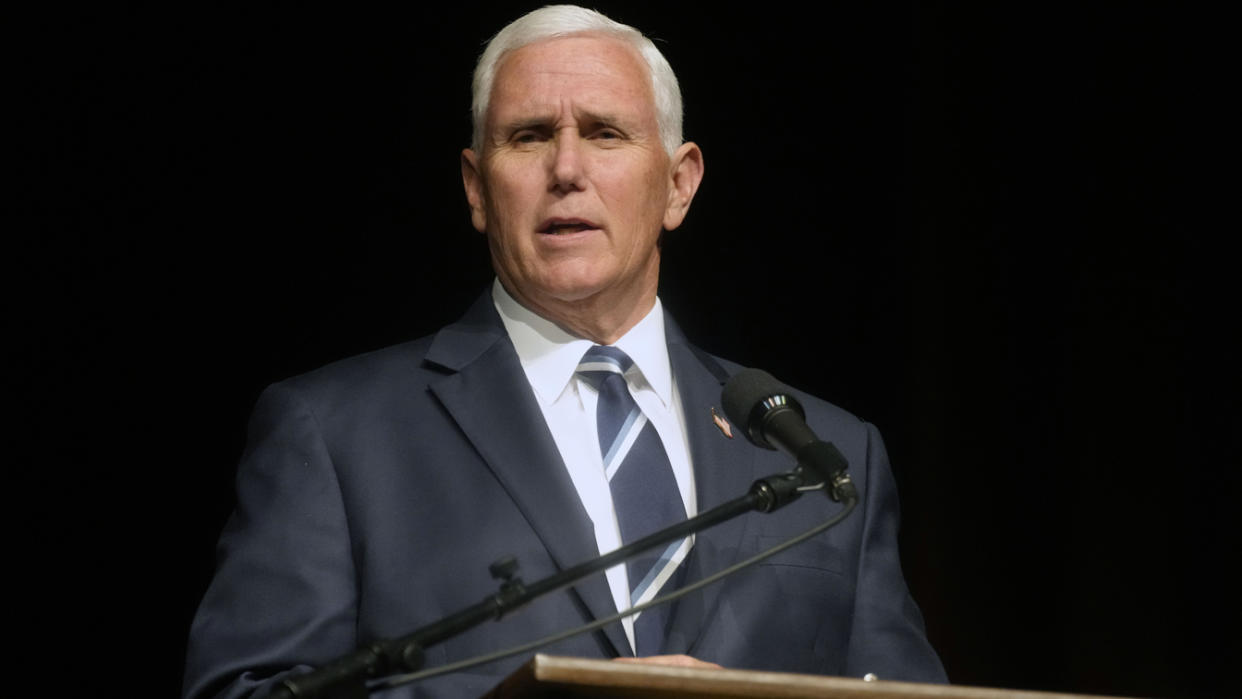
550, 356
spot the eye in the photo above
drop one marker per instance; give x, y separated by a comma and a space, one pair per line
525, 136
606, 134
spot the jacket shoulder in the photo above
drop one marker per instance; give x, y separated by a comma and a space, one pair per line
401, 364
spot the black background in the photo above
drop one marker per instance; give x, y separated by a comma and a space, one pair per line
1002, 234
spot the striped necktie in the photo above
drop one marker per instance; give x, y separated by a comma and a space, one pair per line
644, 491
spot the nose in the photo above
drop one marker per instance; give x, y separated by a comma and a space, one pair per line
567, 162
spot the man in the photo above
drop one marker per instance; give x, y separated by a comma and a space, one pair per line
374, 492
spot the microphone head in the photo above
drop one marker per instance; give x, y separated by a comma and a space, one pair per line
750, 396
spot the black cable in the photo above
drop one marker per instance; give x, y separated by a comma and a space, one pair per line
398, 680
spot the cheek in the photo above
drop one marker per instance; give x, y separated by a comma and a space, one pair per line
505, 214
511, 196
638, 198
652, 201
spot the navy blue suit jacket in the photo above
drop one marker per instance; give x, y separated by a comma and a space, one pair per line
374, 492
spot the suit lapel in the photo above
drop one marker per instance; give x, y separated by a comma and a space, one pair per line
487, 394
723, 470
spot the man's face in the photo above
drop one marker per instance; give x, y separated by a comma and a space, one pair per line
573, 185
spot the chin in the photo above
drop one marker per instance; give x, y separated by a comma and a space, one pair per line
568, 287
570, 294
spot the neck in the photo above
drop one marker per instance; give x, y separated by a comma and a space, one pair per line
596, 318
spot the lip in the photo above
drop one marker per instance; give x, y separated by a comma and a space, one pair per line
567, 226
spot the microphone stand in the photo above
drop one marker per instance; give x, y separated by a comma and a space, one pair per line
345, 677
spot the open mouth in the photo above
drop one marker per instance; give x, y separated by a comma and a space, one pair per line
565, 227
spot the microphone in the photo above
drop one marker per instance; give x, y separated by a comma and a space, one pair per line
773, 419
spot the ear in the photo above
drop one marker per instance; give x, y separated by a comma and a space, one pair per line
472, 180
686, 174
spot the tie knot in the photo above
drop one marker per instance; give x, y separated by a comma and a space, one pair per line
601, 361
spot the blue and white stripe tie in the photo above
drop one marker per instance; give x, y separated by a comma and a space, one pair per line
644, 490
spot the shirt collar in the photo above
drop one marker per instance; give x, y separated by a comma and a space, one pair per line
550, 356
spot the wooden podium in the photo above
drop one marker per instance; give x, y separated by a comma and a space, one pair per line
573, 678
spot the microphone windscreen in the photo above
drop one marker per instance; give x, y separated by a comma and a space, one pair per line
746, 389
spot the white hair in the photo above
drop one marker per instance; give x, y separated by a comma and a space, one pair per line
556, 21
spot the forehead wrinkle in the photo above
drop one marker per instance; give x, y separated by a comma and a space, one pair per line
576, 108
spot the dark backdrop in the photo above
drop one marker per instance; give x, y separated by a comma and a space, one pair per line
1002, 234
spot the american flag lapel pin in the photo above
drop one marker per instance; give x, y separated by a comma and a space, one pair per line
725, 428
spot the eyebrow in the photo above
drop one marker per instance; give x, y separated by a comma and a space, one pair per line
584, 118
526, 123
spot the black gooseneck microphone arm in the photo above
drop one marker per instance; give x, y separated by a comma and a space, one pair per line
345, 677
